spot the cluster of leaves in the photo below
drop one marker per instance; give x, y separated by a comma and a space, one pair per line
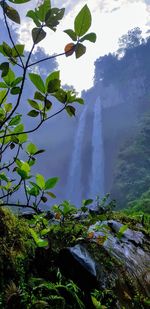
82, 24
16, 173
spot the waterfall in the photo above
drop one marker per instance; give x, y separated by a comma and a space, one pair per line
97, 174
74, 187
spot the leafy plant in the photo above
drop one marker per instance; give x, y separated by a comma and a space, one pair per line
14, 137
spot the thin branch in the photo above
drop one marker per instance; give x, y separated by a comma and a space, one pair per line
10, 36
26, 193
47, 58
54, 56
20, 205
33, 130
18, 100
11, 192
11, 163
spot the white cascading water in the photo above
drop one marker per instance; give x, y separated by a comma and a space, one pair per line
74, 189
97, 174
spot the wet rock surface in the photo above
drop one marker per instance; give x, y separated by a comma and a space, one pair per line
110, 261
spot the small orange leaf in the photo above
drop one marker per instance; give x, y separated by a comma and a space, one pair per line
100, 240
57, 215
90, 235
69, 49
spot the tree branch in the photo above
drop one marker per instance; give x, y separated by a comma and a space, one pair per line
10, 36
33, 130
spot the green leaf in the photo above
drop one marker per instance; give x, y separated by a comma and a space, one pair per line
3, 85
19, 1
19, 128
53, 76
70, 110
121, 231
80, 50
97, 304
8, 107
39, 151
89, 37
37, 81
42, 10
51, 194
44, 199
14, 139
40, 181
23, 138
16, 81
5, 68
61, 95
11, 13
7, 49
48, 105
79, 100
87, 202
53, 17
15, 90
31, 149
41, 243
15, 120
24, 170
71, 34
39, 96
38, 34
4, 177
18, 50
3, 96
53, 85
82, 21
51, 183
33, 113
34, 104
34, 17
34, 191
9, 78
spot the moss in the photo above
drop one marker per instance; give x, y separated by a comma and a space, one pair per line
15, 246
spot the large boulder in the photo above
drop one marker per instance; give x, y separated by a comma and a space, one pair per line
115, 259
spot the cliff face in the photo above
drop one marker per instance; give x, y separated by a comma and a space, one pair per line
123, 86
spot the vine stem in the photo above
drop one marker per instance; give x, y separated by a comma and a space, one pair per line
33, 130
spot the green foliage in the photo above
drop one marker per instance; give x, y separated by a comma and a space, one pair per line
13, 134
132, 171
121, 231
15, 245
82, 24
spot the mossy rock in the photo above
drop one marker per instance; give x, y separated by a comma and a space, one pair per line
15, 246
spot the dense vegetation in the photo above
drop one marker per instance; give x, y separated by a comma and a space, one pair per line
31, 244
132, 172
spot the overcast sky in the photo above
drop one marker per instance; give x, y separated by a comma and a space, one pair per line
110, 19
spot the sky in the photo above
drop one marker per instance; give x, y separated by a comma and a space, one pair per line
110, 20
